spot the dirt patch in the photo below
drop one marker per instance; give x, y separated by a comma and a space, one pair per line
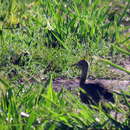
72, 84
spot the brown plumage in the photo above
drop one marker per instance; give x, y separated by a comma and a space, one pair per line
94, 92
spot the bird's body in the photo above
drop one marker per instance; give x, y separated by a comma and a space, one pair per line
95, 92
92, 93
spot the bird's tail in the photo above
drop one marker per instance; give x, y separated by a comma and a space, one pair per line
121, 94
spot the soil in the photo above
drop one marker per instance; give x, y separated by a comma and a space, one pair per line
74, 83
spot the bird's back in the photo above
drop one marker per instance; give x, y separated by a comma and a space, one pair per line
94, 92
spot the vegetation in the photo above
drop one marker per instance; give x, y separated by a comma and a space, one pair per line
42, 38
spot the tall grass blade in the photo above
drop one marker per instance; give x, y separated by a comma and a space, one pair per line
114, 65
121, 50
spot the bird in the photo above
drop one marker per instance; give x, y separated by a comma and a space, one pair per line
92, 93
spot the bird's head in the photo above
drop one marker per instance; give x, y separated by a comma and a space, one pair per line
82, 64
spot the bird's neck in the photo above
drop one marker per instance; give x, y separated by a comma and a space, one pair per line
83, 76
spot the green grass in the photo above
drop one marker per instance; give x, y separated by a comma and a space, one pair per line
60, 33
42, 38
40, 107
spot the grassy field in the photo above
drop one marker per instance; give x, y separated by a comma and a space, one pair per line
40, 40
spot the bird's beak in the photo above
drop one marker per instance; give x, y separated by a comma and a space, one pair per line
76, 64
